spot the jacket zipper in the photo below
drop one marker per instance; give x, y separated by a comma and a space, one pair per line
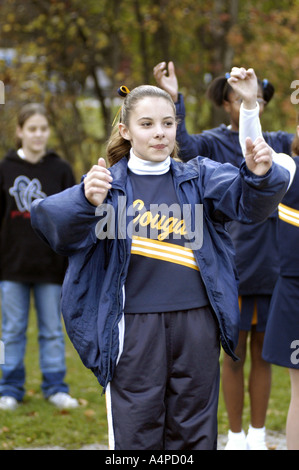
120, 308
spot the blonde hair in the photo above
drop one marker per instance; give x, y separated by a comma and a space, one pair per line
117, 146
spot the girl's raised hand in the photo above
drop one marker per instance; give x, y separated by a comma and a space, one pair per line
244, 83
97, 183
258, 156
168, 82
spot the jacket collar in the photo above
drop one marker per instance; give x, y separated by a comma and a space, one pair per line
119, 173
181, 171
184, 171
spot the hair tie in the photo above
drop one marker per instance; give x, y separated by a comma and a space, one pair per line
265, 83
227, 75
123, 91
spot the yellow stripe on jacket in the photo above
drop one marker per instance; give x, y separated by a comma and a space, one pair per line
288, 214
164, 251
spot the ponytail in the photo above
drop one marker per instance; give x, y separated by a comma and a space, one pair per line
267, 89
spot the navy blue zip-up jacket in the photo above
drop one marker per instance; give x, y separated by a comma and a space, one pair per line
92, 296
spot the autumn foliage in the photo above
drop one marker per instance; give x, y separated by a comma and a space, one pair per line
73, 55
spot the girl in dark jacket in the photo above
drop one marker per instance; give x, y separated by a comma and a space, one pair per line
145, 298
281, 345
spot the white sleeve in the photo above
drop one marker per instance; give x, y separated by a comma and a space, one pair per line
250, 126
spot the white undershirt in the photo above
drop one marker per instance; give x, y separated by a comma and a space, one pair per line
250, 126
21, 154
145, 167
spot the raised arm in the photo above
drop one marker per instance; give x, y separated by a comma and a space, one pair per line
244, 82
190, 145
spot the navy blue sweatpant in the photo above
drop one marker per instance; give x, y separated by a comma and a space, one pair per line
164, 394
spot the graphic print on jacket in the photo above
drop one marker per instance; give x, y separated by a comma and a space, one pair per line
161, 260
25, 191
152, 227
21, 183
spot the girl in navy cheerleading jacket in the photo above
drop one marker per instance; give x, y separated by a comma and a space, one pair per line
136, 237
281, 344
256, 248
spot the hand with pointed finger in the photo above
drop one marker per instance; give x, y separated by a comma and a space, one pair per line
258, 156
97, 183
167, 79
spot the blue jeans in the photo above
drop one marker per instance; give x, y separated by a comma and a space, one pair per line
15, 312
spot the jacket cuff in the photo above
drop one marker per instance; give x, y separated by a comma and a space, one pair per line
252, 178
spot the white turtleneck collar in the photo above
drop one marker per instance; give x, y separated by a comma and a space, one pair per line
144, 167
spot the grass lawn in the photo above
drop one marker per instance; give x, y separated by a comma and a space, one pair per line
37, 423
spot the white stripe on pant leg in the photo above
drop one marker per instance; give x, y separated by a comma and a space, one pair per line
111, 441
121, 328
121, 337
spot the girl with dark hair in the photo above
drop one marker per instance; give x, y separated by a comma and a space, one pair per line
146, 312
256, 248
281, 343
27, 265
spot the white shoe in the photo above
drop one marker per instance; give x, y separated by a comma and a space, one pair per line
63, 400
236, 441
8, 403
256, 438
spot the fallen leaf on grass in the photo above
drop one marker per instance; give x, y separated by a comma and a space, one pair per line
89, 413
32, 413
4, 429
82, 401
63, 412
